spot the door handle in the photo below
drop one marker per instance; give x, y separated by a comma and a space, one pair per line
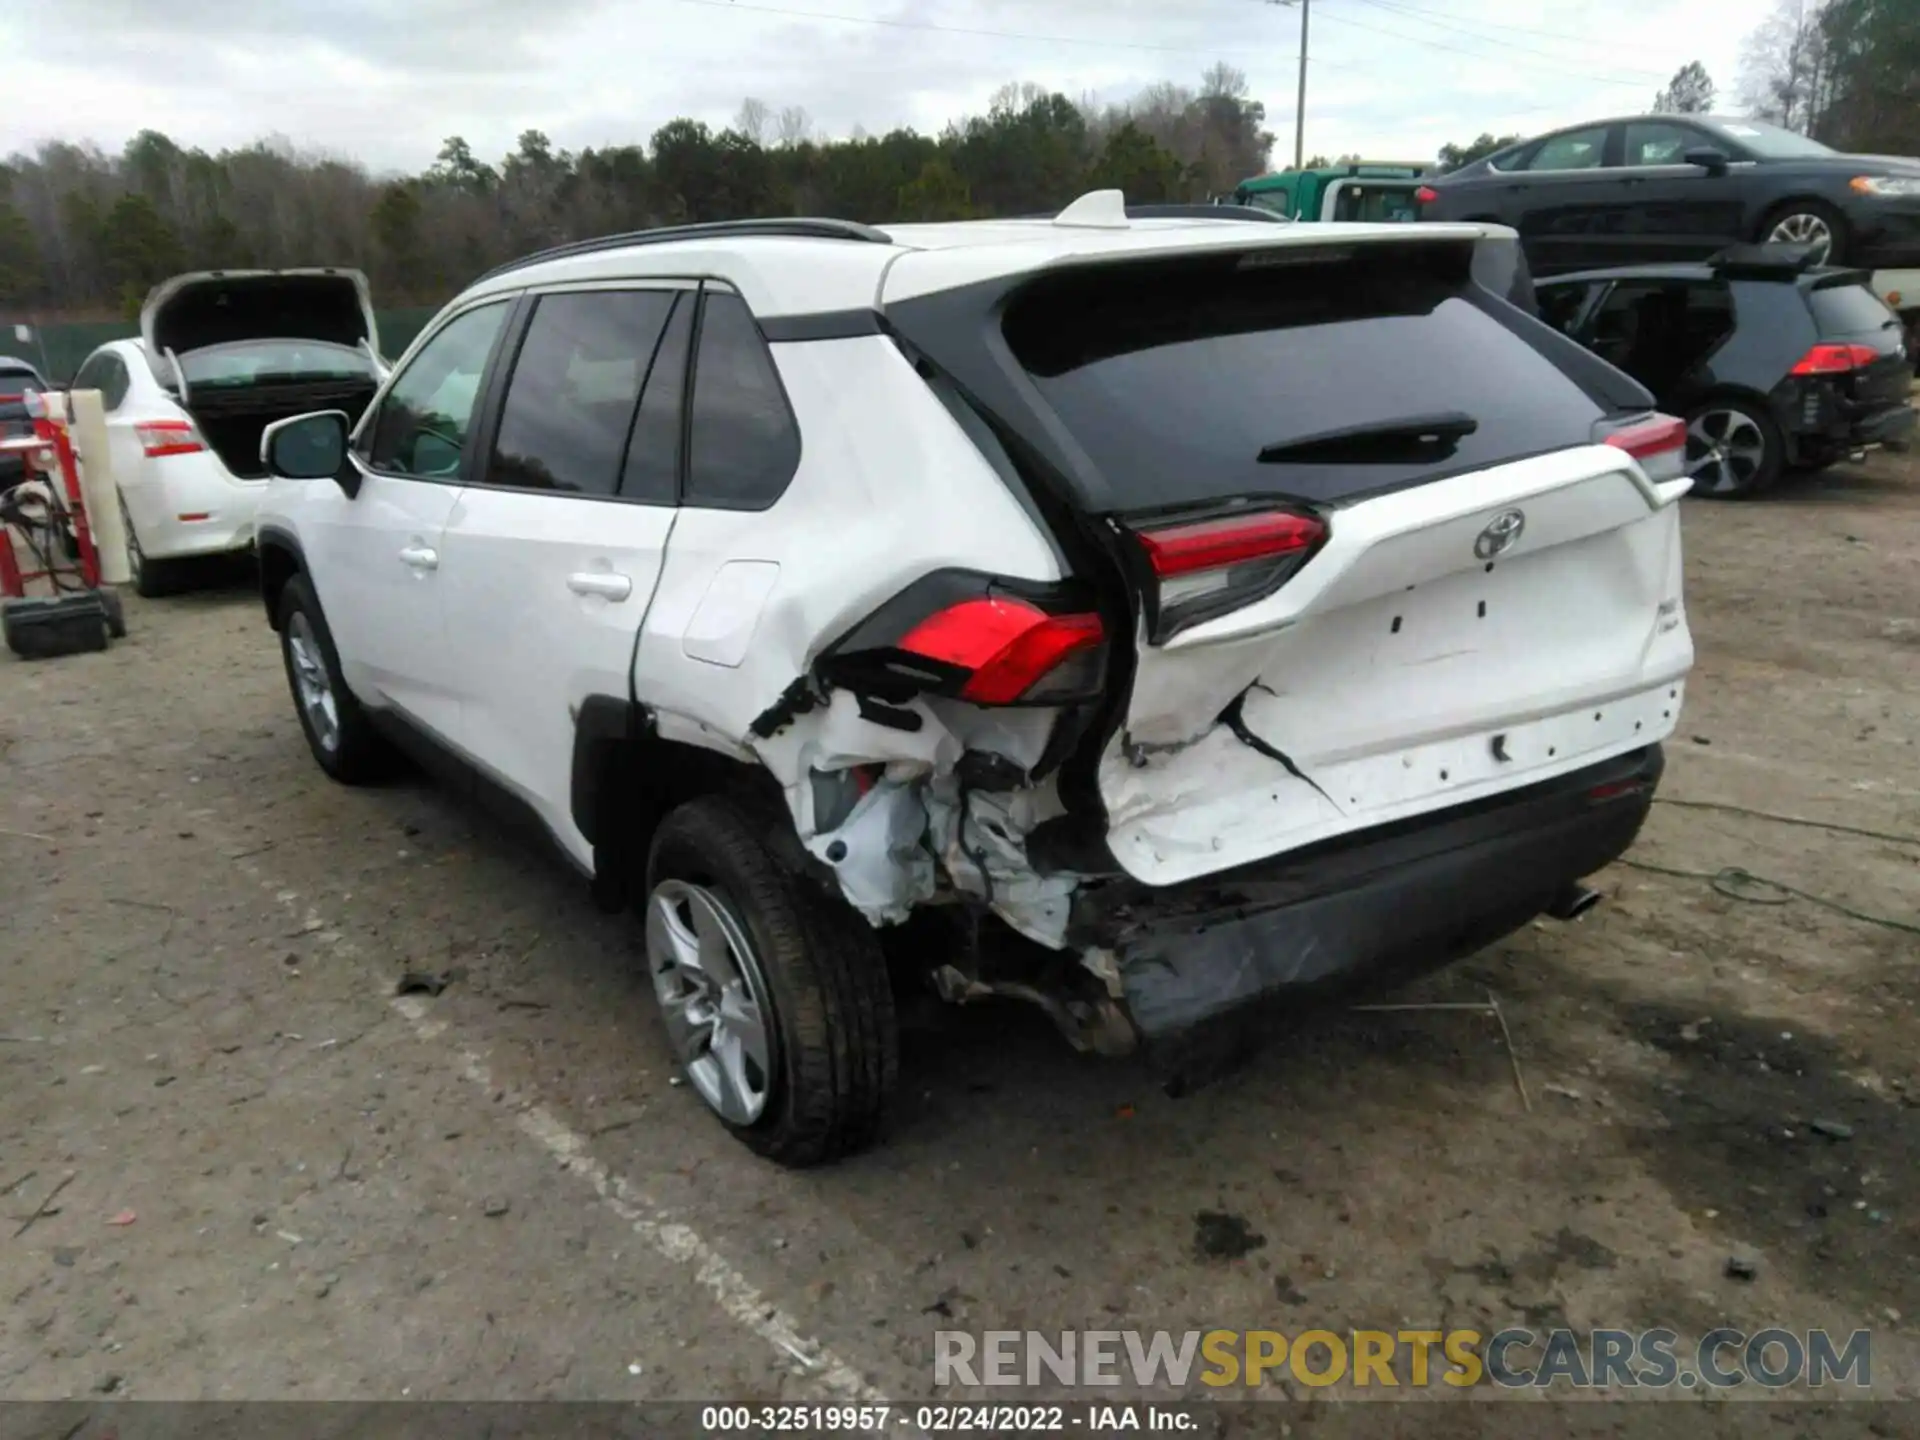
421, 557
603, 583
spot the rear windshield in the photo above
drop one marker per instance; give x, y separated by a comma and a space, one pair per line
1848, 310
1176, 376
268, 362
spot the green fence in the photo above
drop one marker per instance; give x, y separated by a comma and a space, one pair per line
58, 349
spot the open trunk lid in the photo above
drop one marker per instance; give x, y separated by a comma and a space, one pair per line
1390, 544
220, 307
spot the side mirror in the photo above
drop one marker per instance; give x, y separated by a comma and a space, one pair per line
310, 447
1713, 161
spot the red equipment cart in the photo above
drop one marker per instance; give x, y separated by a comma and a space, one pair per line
48, 521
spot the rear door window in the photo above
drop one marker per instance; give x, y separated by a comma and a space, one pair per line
744, 445
1176, 377
1576, 150
576, 383
1561, 305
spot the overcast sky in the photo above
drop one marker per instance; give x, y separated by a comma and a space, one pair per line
384, 81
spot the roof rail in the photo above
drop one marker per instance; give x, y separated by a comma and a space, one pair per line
801, 228
1192, 210
1204, 212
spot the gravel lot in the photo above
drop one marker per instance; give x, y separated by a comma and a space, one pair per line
236, 1165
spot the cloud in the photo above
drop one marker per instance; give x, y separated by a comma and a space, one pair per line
384, 81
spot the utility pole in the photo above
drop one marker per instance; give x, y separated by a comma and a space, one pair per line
1300, 104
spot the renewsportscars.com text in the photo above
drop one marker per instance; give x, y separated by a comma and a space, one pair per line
1512, 1359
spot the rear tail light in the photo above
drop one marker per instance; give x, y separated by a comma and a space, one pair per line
1204, 568
1006, 650
973, 637
1659, 443
1426, 195
1835, 359
168, 437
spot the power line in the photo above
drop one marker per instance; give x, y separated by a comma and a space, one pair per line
1420, 18
1421, 10
1482, 55
1215, 53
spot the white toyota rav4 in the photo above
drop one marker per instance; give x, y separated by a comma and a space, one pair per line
1238, 612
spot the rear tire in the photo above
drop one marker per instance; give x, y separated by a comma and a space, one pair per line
739, 945
152, 579
1808, 222
116, 612
342, 739
1734, 450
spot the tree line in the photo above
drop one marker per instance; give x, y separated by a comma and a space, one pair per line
85, 233
1846, 72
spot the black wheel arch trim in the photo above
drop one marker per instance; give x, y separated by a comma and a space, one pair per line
277, 537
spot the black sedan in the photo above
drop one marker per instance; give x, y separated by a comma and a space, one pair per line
1653, 188
1772, 360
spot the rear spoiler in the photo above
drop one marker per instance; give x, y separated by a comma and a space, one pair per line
1763, 262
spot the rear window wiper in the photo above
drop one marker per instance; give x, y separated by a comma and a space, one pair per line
1411, 440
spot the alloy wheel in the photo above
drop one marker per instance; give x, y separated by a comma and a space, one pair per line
311, 682
713, 996
1726, 449
1803, 227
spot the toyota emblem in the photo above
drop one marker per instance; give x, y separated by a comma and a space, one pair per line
1499, 536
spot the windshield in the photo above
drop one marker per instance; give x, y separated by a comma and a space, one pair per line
1770, 142
257, 362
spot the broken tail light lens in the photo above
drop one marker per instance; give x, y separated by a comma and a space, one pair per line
168, 437
1010, 651
1832, 359
1207, 567
1659, 443
978, 638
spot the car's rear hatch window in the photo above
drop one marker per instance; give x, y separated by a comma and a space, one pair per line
1177, 376
1847, 310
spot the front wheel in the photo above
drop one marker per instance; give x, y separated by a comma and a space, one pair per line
1809, 223
338, 731
774, 993
1734, 450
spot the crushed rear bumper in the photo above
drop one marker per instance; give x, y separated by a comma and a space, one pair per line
1211, 968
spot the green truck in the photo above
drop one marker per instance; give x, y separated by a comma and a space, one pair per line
1375, 190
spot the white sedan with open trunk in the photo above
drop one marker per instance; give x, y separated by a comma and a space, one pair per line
220, 356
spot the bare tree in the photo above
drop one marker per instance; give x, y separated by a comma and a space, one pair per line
793, 126
752, 120
1781, 66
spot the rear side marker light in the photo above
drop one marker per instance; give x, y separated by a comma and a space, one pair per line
1010, 651
1835, 360
1659, 443
195, 515
1205, 568
1426, 195
167, 437
1615, 790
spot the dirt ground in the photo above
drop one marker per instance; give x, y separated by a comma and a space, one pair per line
233, 1164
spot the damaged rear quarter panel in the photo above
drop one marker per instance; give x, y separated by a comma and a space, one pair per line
888, 490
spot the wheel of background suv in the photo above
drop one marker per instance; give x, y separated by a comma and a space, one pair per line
1808, 222
774, 994
151, 578
1734, 450
338, 732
